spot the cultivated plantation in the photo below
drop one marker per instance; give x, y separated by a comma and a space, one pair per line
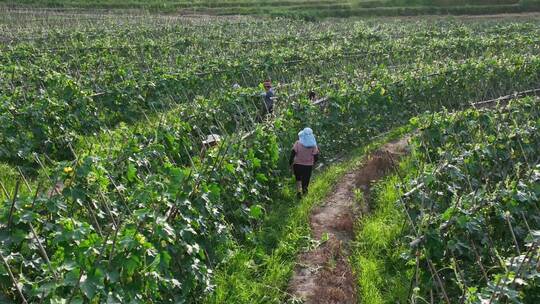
111, 193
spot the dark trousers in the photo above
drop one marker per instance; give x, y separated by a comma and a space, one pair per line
303, 174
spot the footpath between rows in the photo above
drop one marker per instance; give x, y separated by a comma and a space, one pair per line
323, 274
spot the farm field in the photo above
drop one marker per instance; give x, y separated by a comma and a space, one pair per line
107, 193
307, 9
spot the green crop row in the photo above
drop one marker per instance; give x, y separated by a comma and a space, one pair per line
55, 91
462, 212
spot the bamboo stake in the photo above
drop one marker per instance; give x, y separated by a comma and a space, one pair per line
507, 217
439, 282
42, 250
13, 279
478, 259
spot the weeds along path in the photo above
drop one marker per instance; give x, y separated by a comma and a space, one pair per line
323, 274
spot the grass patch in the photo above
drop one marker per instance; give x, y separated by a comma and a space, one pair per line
260, 271
383, 275
8, 177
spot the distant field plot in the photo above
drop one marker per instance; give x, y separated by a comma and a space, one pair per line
302, 8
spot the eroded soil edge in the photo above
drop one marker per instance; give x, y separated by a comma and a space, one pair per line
323, 275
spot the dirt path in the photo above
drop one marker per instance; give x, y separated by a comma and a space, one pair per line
323, 275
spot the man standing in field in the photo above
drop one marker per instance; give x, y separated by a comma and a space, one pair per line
268, 97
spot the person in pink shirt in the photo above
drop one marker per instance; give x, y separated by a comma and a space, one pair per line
304, 155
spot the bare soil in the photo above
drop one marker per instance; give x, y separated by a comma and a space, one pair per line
323, 275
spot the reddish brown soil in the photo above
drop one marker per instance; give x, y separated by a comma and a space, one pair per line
323, 275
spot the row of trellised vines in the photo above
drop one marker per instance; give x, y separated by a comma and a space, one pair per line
60, 102
472, 210
47, 129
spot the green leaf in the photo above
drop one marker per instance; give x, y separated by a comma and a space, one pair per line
58, 301
229, 168
28, 217
47, 288
256, 162
261, 178
87, 287
154, 263
92, 283
113, 276
72, 277
141, 213
165, 259
256, 211
131, 172
69, 265
177, 175
113, 298
131, 264
77, 300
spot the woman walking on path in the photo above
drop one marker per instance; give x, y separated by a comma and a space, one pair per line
304, 155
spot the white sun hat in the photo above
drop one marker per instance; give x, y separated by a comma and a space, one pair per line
212, 138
